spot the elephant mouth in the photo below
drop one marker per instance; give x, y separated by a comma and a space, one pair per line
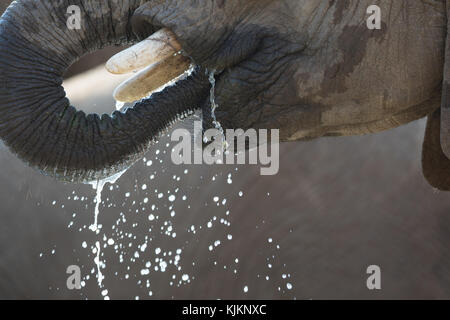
155, 62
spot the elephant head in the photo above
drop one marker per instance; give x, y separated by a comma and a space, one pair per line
310, 68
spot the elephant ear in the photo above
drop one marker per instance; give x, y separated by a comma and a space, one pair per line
445, 106
436, 146
435, 164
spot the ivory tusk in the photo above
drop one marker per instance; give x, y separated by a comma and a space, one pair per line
152, 78
159, 46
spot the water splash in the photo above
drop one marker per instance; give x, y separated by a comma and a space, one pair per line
159, 208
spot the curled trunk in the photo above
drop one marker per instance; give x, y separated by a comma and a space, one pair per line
37, 121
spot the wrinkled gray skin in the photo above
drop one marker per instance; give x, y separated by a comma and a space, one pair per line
308, 67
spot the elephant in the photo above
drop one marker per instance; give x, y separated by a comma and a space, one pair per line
310, 68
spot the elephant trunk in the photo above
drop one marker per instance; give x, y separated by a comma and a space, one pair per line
37, 121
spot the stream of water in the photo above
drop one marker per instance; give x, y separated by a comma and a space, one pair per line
98, 186
214, 106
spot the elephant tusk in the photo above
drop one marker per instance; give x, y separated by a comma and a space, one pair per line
152, 78
159, 46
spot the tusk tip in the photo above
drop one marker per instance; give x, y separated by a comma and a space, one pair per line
111, 67
119, 96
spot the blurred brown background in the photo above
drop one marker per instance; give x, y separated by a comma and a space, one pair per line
337, 206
